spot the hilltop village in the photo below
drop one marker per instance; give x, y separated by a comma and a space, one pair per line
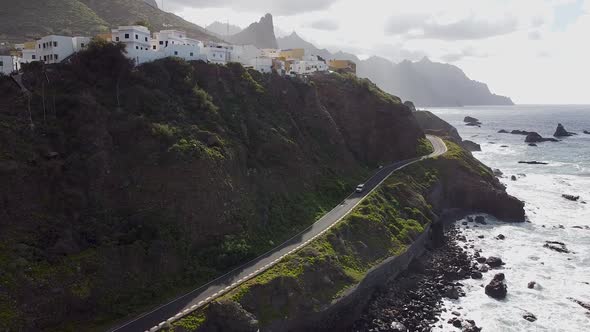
143, 46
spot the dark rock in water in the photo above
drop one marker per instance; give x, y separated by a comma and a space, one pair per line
481, 259
533, 162
476, 275
456, 322
530, 317
472, 121
452, 293
584, 305
469, 326
484, 268
513, 178
532, 144
501, 237
480, 220
470, 219
494, 261
504, 146
497, 288
480, 236
536, 138
471, 146
503, 131
397, 327
520, 132
571, 197
410, 105
586, 132
556, 246
531, 285
561, 132
498, 172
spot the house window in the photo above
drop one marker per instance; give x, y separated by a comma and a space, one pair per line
54, 44
146, 39
116, 38
161, 42
39, 45
136, 36
33, 57
192, 54
82, 45
137, 47
55, 56
1, 63
175, 52
126, 36
154, 47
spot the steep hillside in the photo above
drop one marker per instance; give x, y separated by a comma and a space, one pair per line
122, 188
29, 19
260, 34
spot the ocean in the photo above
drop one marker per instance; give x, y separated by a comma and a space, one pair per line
559, 277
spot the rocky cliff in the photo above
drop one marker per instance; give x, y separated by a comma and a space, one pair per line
325, 286
122, 187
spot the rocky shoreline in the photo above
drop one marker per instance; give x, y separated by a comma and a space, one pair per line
413, 301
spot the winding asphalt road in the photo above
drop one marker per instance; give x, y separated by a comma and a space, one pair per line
178, 308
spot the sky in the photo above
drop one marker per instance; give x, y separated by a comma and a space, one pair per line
534, 51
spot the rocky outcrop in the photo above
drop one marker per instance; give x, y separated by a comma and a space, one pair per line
471, 146
556, 246
536, 138
497, 288
470, 121
229, 316
586, 132
410, 105
561, 132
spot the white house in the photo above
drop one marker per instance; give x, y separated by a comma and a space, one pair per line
165, 38
272, 53
244, 54
218, 53
262, 64
186, 52
137, 41
310, 64
54, 49
8, 64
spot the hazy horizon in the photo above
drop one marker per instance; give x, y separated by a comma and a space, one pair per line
531, 51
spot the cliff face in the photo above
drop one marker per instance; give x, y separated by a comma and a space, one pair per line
324, 286
122, 187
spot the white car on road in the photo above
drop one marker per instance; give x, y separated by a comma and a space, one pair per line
360, 188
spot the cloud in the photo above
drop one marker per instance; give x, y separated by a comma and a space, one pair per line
467, 52
534, 35
275, 7
325, 24
469, 28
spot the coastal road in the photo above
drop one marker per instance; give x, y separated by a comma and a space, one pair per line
174, 310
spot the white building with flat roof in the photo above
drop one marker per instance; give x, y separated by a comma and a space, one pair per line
137, 41
218, 53
262, 64
272, 53
54, 49
9, 64
309, 65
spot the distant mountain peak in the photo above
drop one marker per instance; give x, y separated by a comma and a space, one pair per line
260, 34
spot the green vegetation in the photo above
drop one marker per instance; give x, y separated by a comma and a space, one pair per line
383, 225
367, 85
424, 147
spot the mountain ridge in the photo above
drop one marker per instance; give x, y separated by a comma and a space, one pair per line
30, 19
260, 34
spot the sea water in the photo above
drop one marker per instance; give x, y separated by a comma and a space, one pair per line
559, 276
